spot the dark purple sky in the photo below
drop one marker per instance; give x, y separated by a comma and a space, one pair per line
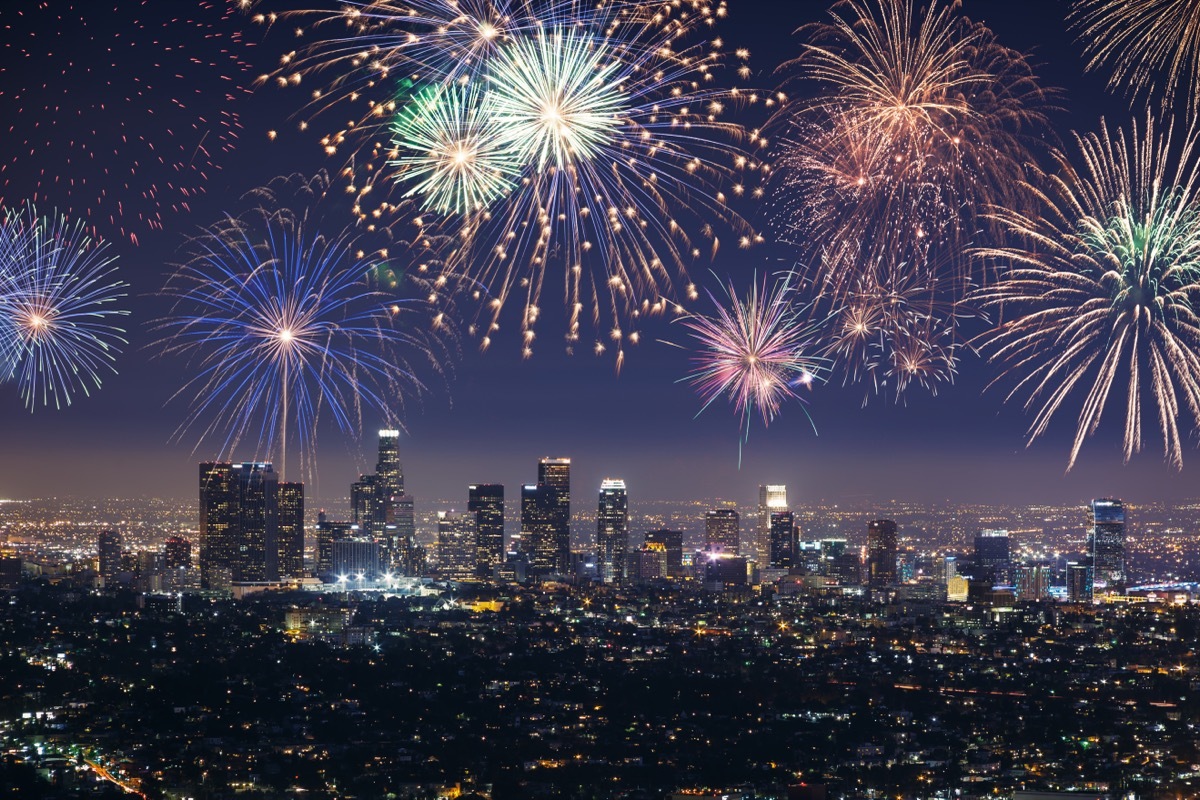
500, 413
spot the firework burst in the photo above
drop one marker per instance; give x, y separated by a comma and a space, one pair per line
588, 141
894, 330
282, 327
920, 121
128, 139
755, 352
449, 152
1099, 295
1148, 45
57, 296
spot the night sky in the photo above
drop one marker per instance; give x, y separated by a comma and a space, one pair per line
497, 413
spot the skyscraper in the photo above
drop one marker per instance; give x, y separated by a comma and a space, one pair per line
109, 551
240, 523
542, 537
485, 501
770, 498
612, 531
381, 508
290, 537
556, 474
722, 527
783, 539
457, 546
1107, 540
882, 552
993, 561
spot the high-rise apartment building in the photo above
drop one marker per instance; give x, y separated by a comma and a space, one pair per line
109, 551
770, 498
783, 539
485, 502
993, 561
1032, 582
612, 531
722, 528
882, 552
1107, 541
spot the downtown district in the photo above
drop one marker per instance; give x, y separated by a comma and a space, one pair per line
739, 658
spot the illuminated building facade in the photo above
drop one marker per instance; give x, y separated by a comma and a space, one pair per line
672, 546
612, 531
771, 497
992, 556
783, 539
458, 551
1107, 544
240, 522
485, 502
722, 528
109, 551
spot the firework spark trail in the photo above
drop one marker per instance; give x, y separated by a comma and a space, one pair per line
281, 327
612, 121
1099, 291
754, 351
1149, 45
125, 139
57, 290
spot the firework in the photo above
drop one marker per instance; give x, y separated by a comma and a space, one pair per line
449, 151
282, 328
920, 121
127, 138
57, 296
596, 141
1148, 45
755, 352
1099, 293
895, 329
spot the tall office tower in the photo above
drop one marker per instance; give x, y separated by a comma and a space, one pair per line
365, 509
612, 531
109, 550
383, 511
672, 544
1107, 542
458, 552
882, 552
992, 556
542, 541
1080, 583
485, 502
1033, 582
556, 473
770, 498
722, 527
239, 523
783, 539
290, 537
177, 553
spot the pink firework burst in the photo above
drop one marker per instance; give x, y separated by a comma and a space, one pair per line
755, 350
